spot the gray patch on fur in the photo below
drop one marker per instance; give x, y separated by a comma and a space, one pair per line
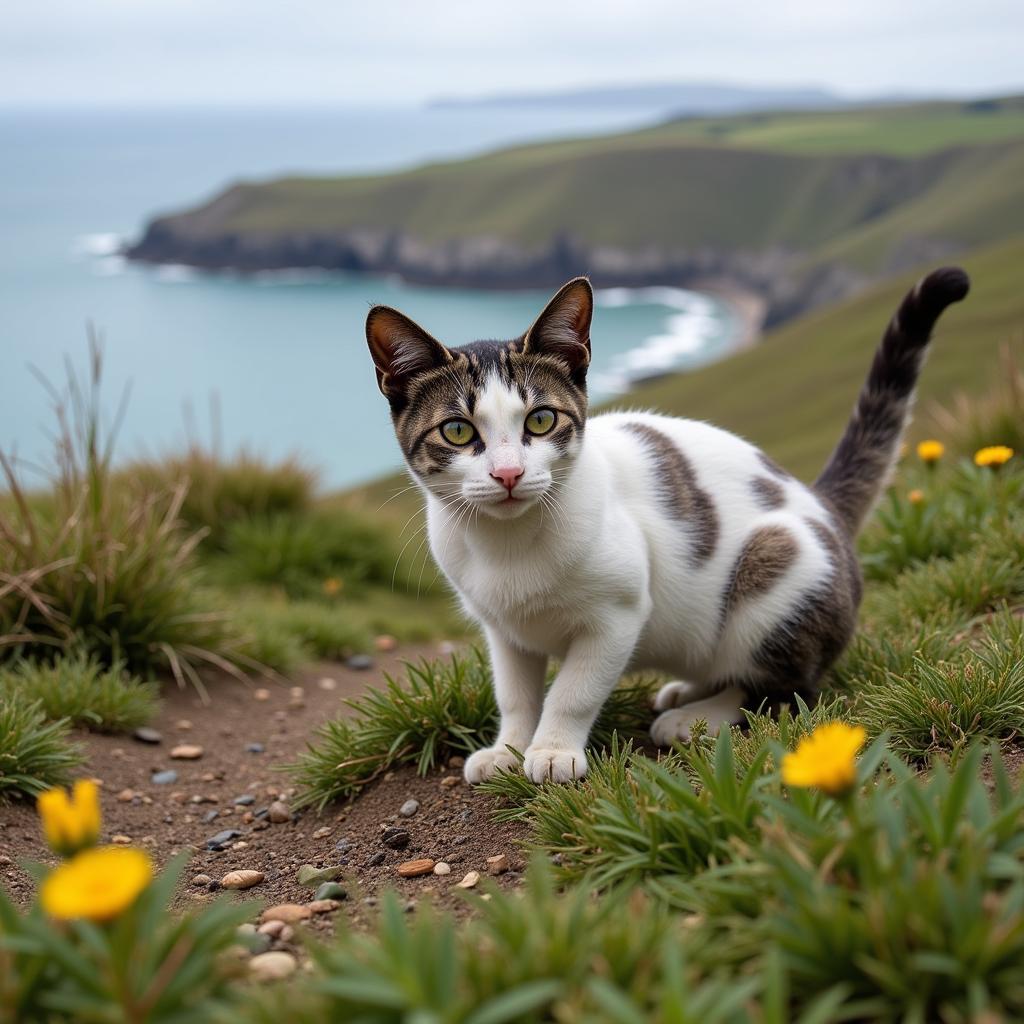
680, 493
764, 560
768, 493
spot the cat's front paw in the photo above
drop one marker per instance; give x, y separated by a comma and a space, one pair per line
548, 764
481, 765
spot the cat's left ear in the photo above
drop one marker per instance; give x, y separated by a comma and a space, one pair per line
401, 349
563, 329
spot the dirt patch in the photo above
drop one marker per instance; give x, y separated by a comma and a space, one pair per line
244, 741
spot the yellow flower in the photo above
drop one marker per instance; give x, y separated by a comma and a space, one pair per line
930, 451
332, 586
71, 824
97, 884
826, 760
995, 455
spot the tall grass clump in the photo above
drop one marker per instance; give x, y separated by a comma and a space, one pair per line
223, 490
35, 753
82, 691
99, 568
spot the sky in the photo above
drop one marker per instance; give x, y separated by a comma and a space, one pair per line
291, 52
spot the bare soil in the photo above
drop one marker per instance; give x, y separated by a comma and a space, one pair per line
453, 823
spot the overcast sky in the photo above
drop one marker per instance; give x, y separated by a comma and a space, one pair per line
334, 51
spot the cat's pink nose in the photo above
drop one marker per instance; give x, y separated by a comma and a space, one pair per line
508, 475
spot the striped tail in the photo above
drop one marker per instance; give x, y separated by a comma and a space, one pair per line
859, 467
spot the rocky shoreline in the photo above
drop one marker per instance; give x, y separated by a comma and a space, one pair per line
770, 286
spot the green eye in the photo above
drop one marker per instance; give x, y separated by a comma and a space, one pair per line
458, 432
540, 421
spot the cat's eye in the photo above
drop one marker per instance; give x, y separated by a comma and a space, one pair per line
458, 432
540, 421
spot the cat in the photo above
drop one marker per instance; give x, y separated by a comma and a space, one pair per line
633, 540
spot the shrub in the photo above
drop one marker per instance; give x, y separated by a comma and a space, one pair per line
34, 754
79, 689
94, 567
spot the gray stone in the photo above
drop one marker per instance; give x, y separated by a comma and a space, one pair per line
279, 813
218, 841
165, 778
343, 845
244, 801
210, 816
331, 891
360, 662
146, 735
254, 748
377, 859
409, 808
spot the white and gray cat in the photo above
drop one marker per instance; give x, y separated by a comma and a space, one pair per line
631, 540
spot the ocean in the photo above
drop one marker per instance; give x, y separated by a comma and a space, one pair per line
275, 363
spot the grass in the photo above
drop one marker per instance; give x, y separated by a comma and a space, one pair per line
83, 692
35, 754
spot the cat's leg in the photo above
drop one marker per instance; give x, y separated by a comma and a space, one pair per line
678, 693
723, 708
519, 690
590, 671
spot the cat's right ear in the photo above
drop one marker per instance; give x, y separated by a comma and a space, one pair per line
401, 349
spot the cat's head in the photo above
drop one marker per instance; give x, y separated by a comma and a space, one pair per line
490, 423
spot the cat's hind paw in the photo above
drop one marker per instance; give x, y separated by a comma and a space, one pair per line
548, 764
482, 764
676, 694
676, 725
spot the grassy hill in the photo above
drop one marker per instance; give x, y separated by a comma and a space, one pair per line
850, 184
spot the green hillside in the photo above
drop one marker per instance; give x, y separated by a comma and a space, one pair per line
792, 393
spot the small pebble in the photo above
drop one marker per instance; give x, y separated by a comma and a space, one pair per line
221, 839
183, 724
201, 880
472, 877
120, 840
147, 735
415, 868
385, 643
322, 906
187, 752
322, 833
497, 865
164, 778
242, 879
440, 868
272, 928
395, 838
360, 662
409, 808
297, 697
331, 891
450, 780
290, 913
376, 860
126, 796
327, 683
210, 816
254, 748
278, 812
261, 694
456, 762
273, 966
343, 845
244, 801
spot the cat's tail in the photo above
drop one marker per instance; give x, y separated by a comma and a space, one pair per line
859, 467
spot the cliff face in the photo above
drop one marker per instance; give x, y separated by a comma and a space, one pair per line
780, 278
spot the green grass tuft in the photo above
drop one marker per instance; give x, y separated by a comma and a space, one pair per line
35, 754
79, 689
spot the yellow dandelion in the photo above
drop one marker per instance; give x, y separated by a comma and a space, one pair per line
915, 497
96, 884
930, 452
994, 456
71, 824
826, 760
332, 586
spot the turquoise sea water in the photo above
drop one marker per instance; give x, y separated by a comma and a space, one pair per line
282, 357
